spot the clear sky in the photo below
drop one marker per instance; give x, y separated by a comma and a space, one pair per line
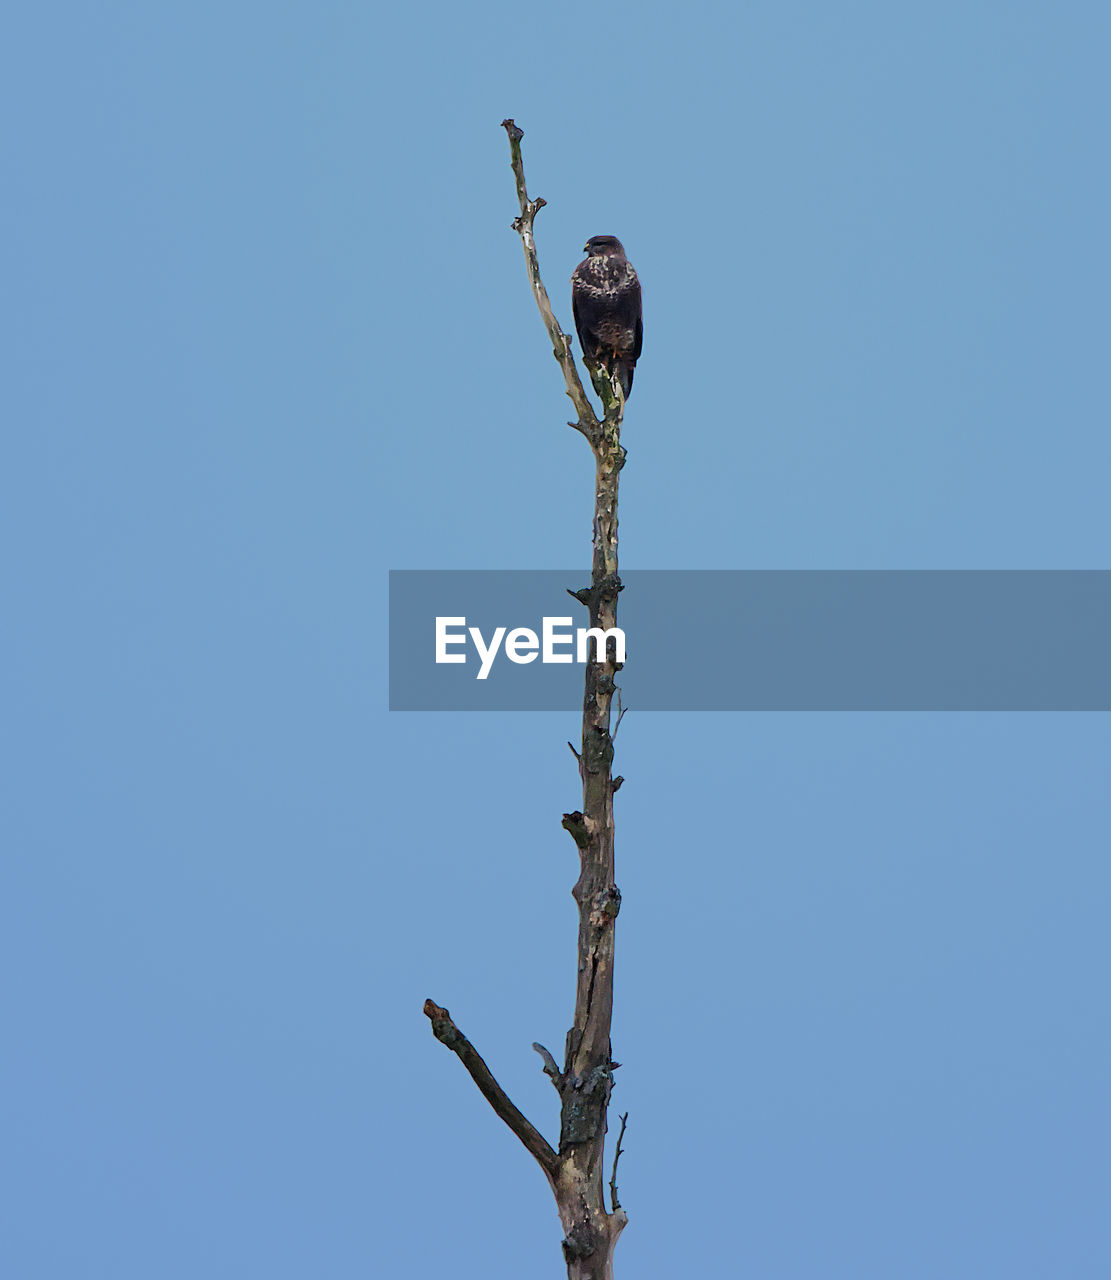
267, 336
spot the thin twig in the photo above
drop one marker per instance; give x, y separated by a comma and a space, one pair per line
449, 1034
617, 1156
620, 713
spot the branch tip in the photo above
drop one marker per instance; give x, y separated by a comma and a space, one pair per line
550, 1068
575, 825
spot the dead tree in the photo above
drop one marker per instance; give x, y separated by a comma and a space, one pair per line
575, 1170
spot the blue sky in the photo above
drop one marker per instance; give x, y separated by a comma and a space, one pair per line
268, 336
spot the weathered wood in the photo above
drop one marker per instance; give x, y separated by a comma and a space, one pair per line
575, 1171
449, 1034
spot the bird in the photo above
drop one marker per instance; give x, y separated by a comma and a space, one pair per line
605, 299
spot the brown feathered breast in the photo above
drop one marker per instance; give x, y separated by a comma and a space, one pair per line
605, 299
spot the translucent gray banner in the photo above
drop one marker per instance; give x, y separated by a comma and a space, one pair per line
716, 640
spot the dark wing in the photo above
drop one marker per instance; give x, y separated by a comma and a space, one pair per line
584, 307
630, 309
627, 310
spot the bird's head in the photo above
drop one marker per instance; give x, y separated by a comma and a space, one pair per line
599, 246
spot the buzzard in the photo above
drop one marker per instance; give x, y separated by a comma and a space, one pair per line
605, 297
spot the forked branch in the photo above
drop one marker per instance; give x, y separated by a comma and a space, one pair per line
561, 344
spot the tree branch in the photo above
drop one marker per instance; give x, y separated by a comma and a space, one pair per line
575, 1172
551, 1070
614, 1202
561, 345
449, 1034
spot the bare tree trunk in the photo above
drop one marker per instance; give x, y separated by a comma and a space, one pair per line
575, 1172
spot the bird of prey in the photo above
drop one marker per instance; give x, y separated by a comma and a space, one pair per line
605, 297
